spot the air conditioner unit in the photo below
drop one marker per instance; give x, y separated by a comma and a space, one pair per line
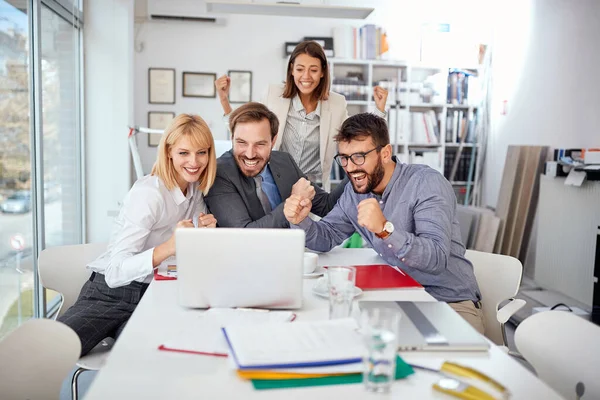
182, 10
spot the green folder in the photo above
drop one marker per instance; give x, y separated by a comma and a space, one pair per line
402, 371
355, 242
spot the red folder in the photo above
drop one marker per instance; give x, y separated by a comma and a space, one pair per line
382, 276
158, 277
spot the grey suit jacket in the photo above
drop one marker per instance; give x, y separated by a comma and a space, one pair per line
234, 203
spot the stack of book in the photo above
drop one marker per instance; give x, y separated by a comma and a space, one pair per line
459, 124
425, 127
312, 353
367, 42
462, 173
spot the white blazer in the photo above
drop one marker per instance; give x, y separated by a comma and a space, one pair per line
333, 113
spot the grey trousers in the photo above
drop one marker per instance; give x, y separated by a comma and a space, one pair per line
101, 311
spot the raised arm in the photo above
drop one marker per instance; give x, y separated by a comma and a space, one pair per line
222, 85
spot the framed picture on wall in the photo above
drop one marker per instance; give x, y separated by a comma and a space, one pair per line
240, 90
199, 84
158, 120
161, 86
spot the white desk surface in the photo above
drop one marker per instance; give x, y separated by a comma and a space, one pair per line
136, 369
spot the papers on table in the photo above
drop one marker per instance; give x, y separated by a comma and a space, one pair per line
203, 335
298, 345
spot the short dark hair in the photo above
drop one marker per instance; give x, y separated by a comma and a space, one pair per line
253, 112
315, 50
364, 125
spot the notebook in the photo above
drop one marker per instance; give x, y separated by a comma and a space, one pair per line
383, 276
297, 345
432, 326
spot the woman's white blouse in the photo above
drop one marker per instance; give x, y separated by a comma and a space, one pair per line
147, 219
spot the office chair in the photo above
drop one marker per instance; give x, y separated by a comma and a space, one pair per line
564, 350
499, 279
35, 358
63, 270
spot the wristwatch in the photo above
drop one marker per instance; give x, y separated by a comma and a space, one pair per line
388, 228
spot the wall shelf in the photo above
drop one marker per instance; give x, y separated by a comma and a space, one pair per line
411, 134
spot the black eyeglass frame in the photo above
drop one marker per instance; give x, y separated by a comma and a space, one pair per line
339, 157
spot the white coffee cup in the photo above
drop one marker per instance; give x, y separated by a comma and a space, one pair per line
310, 262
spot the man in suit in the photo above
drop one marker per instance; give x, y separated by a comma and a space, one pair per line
253, 180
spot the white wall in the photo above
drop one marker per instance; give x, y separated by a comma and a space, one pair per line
108, 66
255, 43
546, 66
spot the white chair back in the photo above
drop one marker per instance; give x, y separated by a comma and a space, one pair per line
36, 358
564, 350
63, 269
499, 278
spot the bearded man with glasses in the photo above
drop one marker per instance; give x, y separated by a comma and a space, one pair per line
405, 212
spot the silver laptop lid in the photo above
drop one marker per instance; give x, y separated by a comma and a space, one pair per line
432, 326
230, 267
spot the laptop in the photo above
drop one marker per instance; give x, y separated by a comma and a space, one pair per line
233, 267
432, 326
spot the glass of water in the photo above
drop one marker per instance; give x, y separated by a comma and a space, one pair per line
380, 331
341, 282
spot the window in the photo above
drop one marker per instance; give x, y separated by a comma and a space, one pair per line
61, 131
55, 171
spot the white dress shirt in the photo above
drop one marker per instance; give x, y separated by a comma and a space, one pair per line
147, 219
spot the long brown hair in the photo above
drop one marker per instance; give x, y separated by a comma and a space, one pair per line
315, 50
199, 134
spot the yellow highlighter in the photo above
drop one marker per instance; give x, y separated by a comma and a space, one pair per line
462, 390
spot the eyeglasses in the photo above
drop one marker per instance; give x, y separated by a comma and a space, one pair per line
357, 158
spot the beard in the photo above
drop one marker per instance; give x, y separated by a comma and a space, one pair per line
244, 169
373, 179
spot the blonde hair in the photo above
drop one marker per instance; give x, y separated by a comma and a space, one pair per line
197, 131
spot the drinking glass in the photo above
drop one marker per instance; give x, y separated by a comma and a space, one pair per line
380, 331
341, 282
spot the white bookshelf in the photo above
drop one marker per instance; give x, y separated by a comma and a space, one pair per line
403, 79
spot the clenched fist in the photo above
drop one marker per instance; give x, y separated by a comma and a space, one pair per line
380, 96
222, 85
296, 208
370, 215
303, 188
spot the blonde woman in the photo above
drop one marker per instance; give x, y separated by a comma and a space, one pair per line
143, 236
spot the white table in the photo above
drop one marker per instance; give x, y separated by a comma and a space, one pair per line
137, 370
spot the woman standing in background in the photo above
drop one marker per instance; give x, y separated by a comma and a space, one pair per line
309, 113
